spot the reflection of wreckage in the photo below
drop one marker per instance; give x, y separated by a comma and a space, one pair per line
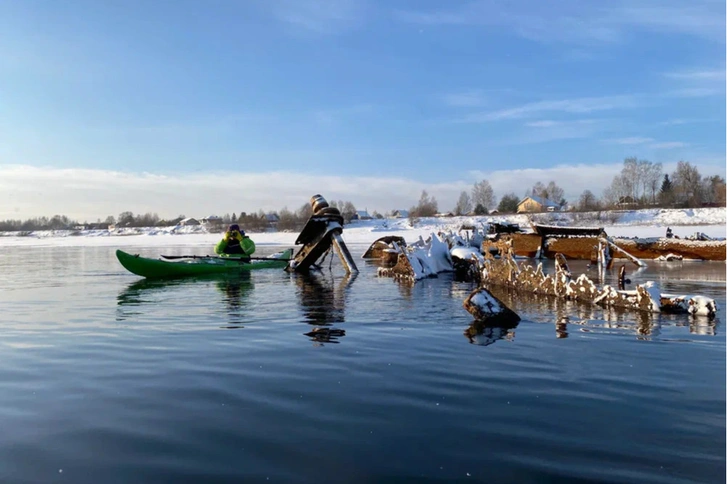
495, 265
323, 305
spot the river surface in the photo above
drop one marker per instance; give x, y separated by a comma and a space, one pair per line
108, 379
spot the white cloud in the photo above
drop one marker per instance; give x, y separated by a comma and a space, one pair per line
635, 140
320, 16
87, 194
578, 21
472, 98
694, 92
573, 106
545, 123
649, 142
669, 145
28, 191
698, 75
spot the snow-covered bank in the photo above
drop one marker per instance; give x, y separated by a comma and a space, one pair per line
634, 223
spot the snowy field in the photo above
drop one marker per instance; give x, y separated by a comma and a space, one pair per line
634, 223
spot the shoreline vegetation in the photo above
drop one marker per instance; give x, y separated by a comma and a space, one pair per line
622, 220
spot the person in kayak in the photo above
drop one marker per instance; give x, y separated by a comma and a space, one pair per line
235, 242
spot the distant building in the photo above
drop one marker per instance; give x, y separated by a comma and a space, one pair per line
626, 201
213, 222
272, 218
361, 215
189, 221
212, 219
400, 213
534, 204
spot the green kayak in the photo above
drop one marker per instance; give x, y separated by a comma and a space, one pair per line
197, 266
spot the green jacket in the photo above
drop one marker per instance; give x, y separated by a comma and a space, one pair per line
246, 244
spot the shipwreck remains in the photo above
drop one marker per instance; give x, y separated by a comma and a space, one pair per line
582, 243
497, 266
505, 271
321, 233
414, 262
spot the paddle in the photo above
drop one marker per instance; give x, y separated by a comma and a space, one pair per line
241, 259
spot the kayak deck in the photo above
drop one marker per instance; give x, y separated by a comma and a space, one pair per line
157, 268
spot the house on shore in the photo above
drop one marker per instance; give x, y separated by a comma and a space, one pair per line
534, 204
272, 219
189, 221
361, 215
400, 213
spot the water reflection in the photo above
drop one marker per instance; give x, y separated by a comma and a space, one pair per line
593, 318
483, 334
139, 293
323, 303
561, 327
236, 291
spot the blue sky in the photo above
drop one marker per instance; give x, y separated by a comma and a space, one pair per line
346, 96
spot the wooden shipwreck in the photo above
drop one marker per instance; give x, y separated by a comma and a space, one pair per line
581, 243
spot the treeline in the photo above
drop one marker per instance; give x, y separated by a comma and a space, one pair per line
56, 222
640, 184
255, 221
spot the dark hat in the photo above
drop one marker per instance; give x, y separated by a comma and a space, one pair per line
233, 227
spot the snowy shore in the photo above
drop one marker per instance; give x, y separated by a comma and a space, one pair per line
634, 223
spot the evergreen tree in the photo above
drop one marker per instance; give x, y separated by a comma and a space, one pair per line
666, 194
480, 209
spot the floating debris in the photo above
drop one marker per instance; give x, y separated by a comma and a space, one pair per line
486, 308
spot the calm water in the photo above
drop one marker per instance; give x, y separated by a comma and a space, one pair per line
108, 379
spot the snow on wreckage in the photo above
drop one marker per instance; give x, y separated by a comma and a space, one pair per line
495, 265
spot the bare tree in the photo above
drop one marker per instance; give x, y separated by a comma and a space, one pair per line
551, 191
713, 190
555, 193
304, 212
348, 210
427, 206
653, 180
287, 220
464, 204
610, 194
587, 202
687, 184
482, 194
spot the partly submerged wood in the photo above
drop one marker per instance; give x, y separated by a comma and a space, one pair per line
688, 249
574, 248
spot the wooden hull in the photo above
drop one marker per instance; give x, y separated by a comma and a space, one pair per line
575, 248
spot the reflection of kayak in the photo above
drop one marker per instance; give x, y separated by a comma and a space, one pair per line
198, 266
